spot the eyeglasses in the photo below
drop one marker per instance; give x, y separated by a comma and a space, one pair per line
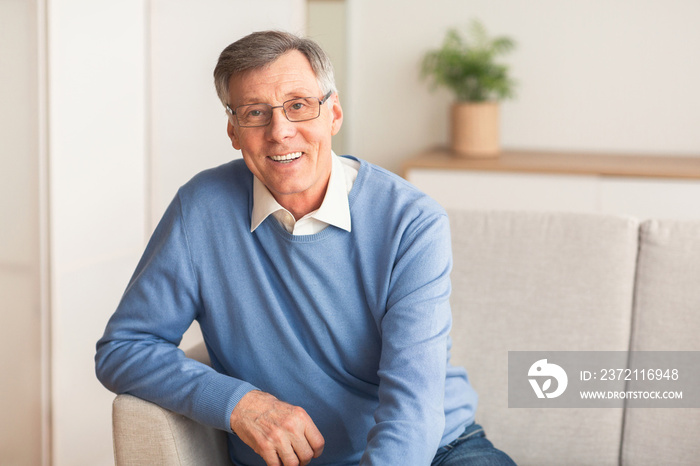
301, 109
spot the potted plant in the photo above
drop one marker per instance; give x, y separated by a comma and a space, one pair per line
468, 67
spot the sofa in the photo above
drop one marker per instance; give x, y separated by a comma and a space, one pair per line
528, 281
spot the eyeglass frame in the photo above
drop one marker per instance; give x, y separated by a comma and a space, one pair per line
320, 104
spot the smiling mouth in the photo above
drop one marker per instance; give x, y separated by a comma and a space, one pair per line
287, 158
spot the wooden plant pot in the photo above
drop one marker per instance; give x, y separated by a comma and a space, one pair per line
475, 129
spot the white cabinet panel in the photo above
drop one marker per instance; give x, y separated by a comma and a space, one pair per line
635, 196
508, 191
651, 198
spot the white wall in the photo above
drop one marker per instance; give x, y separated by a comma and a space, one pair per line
97, 150
21, 381
595, 76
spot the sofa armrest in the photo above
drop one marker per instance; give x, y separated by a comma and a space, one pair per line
147, 434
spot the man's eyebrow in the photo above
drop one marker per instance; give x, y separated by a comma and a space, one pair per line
250, 100
295, 94
299, 93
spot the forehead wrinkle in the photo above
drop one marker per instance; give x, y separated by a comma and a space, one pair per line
262, 92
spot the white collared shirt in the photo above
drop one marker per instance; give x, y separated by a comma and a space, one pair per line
334, 210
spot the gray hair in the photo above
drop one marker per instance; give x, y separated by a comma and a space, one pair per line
259, 49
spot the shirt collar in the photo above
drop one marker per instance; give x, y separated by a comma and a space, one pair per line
334, 210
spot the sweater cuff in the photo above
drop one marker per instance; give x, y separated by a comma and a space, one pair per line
217, 400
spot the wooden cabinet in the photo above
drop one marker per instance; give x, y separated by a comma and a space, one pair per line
640, 186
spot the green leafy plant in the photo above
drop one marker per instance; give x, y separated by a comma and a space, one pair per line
468, 66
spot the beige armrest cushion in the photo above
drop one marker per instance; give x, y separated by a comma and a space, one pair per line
146, 434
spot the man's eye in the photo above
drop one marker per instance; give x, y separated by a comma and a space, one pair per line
254, 113
297, 106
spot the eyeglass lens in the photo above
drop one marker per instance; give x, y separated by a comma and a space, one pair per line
302, 109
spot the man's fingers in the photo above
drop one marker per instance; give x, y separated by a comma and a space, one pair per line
314, 439
292, 455
303, 448
290, 458
302, 451
270, 457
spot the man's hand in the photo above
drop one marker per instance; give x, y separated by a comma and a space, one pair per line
280, 433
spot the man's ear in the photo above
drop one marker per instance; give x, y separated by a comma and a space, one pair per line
233, 135
336, 115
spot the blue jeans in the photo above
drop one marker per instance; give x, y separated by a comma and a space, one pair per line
472, 448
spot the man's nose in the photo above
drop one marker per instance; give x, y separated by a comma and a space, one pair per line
280, 127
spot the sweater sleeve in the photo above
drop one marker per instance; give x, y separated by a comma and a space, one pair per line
410, 419
138, 353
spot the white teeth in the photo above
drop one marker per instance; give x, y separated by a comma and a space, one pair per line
286, 158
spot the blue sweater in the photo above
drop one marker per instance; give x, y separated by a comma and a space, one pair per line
353, 327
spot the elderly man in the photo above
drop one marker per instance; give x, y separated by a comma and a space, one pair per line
320, 283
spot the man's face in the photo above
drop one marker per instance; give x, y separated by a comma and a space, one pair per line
293, 159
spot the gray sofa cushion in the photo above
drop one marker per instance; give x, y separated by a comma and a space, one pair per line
666, 318
529, 281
